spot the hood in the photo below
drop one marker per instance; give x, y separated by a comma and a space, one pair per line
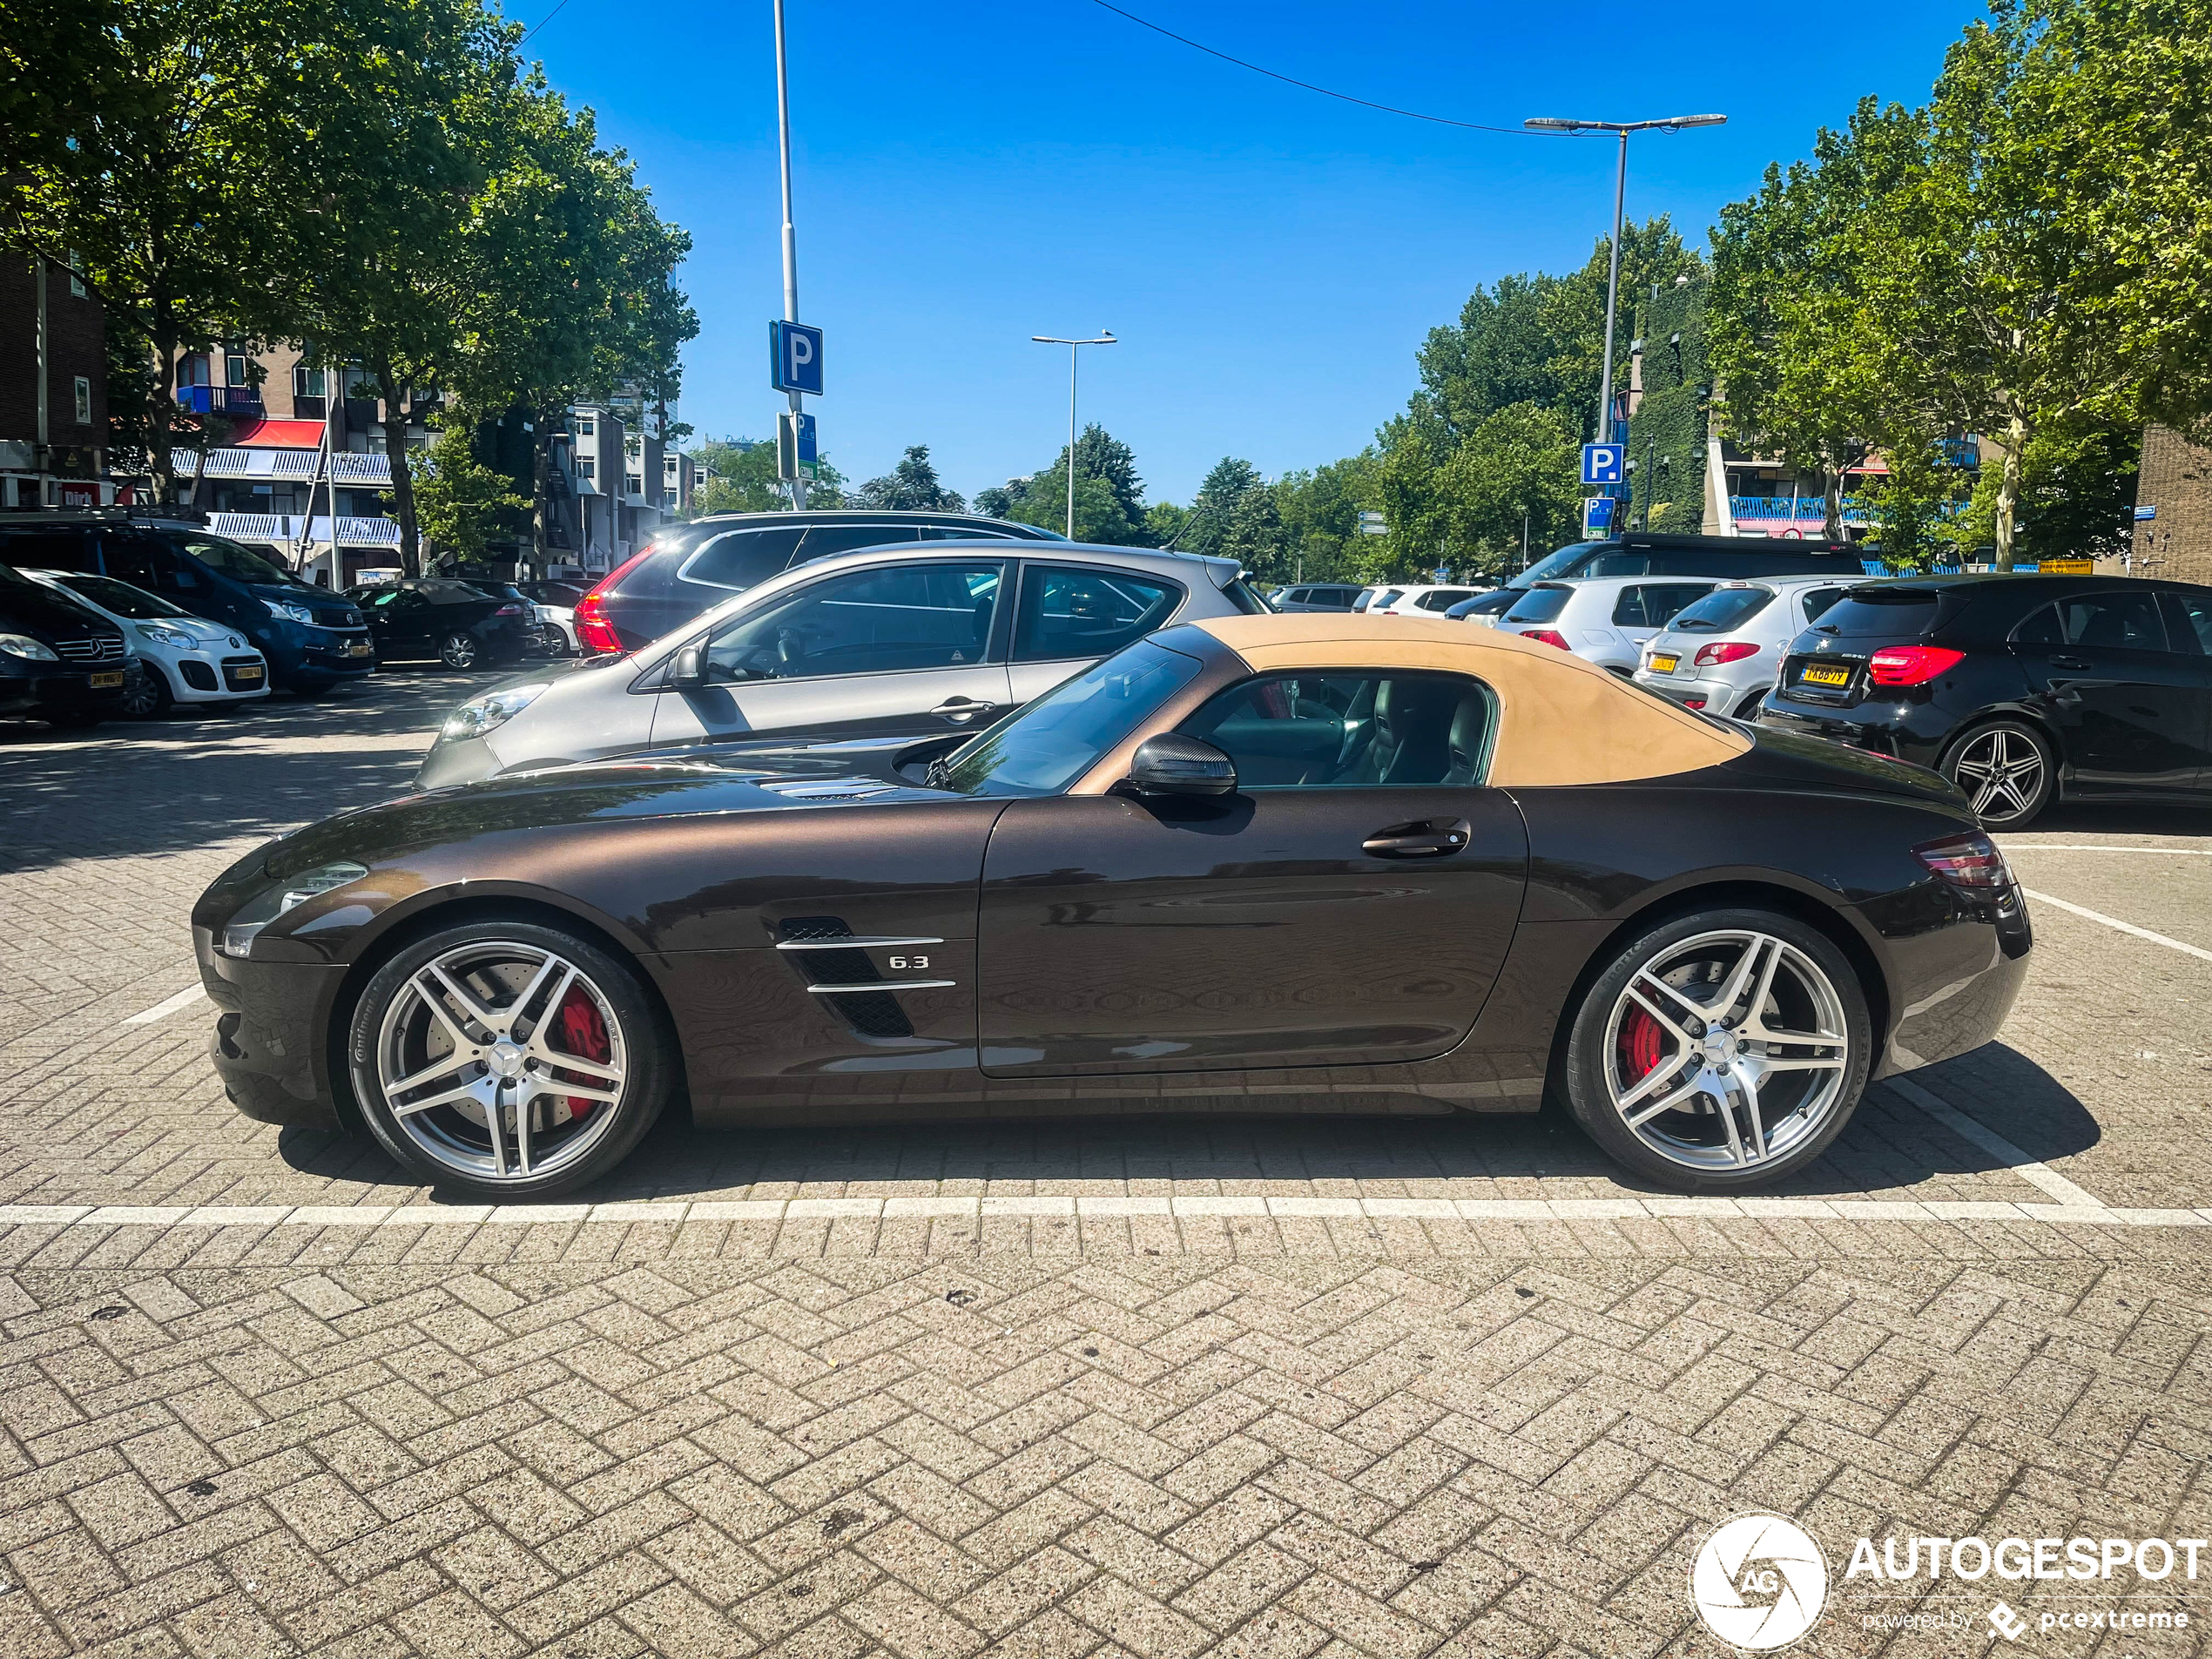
707, 781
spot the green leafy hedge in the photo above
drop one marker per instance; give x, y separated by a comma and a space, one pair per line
1667, 434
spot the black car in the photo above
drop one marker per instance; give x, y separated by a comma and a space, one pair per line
2020, 689
312, 638
1388, 864
58, 662
689, 568
460, 624
1645, 553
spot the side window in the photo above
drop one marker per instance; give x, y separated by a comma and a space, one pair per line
1661, 600
1073, 611
742, 559
1618, 564
1630, 610
58, 549
864, 622
2188, 620
2114, 621
2040, 628
1298, 596
1308, 730
823, 540
1818, 599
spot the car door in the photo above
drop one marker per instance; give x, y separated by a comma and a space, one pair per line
881, 652
2128, 709
1350, 903
1069, 616
2189, 631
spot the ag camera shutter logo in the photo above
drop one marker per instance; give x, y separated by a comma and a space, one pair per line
1758, 1582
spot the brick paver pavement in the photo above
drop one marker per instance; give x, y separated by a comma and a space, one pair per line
886, 1420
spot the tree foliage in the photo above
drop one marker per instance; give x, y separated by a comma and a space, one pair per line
911, 486
461, 502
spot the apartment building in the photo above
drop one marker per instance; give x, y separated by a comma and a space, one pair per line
53, 389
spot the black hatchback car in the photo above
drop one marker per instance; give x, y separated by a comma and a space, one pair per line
2020, 689
690, 568
59, 662
460, 624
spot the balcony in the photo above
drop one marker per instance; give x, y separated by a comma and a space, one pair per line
1813, 510
286, 527
240, 402
303, 465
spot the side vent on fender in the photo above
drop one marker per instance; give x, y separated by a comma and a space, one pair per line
871, 1013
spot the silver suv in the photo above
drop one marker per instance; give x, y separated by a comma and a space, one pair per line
882, 641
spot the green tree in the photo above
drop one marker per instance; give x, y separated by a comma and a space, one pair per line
1468, 509
463, 503
743, 479
152, 171
2014, 260
1042, 498
912, 485
1225, 484
1099, 517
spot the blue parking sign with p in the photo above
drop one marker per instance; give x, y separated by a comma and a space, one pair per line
1602, 463
795, 357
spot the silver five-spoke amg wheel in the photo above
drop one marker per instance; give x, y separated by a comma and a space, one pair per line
1722, 1050
506, 1058
2006, 772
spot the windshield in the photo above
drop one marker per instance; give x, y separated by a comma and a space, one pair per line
1046, 746
238, 562
121, 599
1722, 609
1540, 604
1552, 564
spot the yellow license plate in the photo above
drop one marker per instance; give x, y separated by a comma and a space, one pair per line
1664, 664
1824, 674
101, 682
358, 648
251, 671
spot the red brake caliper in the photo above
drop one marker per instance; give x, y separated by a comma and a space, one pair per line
584, 1034
1643, 1045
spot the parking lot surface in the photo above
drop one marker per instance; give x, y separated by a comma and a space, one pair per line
1067, 1386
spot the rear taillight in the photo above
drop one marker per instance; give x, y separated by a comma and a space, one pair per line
1551, 637
1971, 860
593, 632
1693, 702
1723, 650
1911, 664
507, 610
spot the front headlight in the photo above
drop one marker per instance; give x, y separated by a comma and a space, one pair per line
494, 709
239, 933
162, 634
30, 650
291, 613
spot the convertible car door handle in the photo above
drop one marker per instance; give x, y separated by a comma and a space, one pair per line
961, 708
1433, 838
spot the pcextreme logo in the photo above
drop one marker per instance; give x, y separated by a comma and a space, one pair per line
1758, 1582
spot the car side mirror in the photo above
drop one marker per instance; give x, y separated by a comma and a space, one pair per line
1174, 765
687, 669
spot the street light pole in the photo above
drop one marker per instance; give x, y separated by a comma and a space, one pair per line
790, 236
1105, 338
1669, 123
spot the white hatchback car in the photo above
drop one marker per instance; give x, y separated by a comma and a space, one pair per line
1423, 601
1604, 619
1721, 654
179, 657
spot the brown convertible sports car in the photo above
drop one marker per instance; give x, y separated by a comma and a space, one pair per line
1244, 865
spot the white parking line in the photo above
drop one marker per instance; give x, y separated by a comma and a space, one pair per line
2085, 847
1099, 1207
168, 1006
2197, 950
2037, 1175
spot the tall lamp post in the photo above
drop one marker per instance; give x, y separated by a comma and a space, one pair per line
1670, 124
790, 236
1105, 338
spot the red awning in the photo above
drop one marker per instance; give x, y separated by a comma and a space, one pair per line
1873, 465
277, 434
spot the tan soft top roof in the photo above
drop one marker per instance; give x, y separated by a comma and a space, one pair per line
1561, 720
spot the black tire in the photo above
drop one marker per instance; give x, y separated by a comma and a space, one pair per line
458, 649
145, 691
1747, 710
1598, 1043
642, 1041
2007, 769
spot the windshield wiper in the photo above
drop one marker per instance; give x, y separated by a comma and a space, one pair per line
939, 775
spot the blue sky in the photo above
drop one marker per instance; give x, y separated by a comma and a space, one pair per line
968, 175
